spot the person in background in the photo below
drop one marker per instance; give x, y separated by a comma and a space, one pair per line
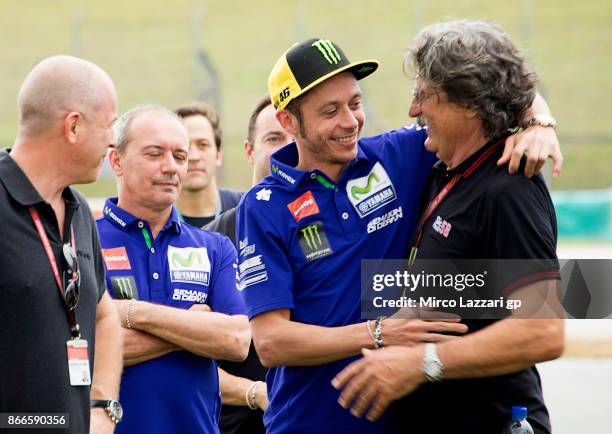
201, 200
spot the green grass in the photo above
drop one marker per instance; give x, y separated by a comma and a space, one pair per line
585, 167
102, 188
147, 48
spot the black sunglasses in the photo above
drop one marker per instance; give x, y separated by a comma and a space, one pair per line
72, 278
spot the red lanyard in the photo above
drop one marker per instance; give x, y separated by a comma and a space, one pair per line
74, 326
437, 200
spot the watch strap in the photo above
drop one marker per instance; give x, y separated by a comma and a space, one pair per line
102, 403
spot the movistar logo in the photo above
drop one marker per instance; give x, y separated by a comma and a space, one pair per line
355, 189
327, 49
282, 174
112, 215
311, 235
194, 258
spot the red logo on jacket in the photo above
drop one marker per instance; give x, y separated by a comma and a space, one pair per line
116, 259
303, 206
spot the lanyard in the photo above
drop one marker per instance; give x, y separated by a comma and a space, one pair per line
74, 326
437, 200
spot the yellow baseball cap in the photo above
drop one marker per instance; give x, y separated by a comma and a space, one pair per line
307, 64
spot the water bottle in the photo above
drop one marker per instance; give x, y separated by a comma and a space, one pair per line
518, 424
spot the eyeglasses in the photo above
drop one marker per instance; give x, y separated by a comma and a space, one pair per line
419, 96
72, 278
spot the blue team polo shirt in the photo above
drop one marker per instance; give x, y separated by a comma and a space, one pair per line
178, 392
301, 239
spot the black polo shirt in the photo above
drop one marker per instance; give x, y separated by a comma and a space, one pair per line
34, 331
238, 419
488, 214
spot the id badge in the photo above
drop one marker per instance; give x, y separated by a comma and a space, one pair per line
78, 362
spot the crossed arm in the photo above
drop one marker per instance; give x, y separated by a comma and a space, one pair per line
158, 330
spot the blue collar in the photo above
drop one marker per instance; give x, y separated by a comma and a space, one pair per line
124, 220
284, 161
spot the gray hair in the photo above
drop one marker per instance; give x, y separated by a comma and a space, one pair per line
122, 127
478, 67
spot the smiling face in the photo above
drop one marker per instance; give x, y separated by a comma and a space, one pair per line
332, 120
448, 124
204, 157
153, 164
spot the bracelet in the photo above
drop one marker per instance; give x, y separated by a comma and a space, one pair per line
370, 331
127, 314
378, 341
250, 396
545, 121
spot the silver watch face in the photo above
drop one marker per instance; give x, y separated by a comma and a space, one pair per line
433, 369
115, 409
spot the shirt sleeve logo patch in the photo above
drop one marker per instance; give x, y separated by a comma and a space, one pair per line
189, 265
116, 259
124, 288
263, 194
371, 192
251, 271
313, 242
303, 206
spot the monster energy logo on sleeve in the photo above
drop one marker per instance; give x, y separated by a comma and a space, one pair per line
327, 49
313, 241
124, 287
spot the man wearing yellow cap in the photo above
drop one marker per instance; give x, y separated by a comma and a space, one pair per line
331, 200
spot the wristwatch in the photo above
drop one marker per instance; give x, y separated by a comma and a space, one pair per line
432, 366
542, 121
113, 408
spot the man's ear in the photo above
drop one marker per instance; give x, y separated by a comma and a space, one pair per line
114, 159
219, 157
288, 121
72, 124
248, 150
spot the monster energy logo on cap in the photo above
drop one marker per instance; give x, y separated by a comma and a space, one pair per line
327, 49
313, 241
307, 64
